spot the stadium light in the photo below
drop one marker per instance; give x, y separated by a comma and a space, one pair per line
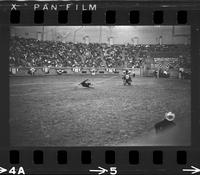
39, 36
110, 40
160, 40
86, 39
135, 40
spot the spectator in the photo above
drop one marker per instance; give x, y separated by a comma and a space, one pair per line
34, 53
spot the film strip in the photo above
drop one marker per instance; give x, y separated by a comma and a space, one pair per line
55, 121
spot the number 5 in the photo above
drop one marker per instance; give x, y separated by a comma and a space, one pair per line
113, 170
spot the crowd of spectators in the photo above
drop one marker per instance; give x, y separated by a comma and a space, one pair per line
35, 53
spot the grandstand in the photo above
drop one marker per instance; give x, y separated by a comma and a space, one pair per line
28, 50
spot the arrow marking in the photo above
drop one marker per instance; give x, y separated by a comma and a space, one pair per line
2, 170
194, 170
100, 171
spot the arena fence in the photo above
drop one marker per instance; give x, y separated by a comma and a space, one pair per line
45, 71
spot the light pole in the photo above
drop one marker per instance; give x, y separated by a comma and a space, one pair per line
42, 33
100, 34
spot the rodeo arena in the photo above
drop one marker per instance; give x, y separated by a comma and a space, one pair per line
99, 85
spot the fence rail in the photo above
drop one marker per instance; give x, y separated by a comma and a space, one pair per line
42, 71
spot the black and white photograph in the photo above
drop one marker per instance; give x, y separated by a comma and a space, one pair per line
99, 86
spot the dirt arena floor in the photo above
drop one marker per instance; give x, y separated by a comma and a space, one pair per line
56, 111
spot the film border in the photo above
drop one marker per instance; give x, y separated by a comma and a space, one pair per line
146, 165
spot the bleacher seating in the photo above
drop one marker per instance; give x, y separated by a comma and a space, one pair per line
31, 52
